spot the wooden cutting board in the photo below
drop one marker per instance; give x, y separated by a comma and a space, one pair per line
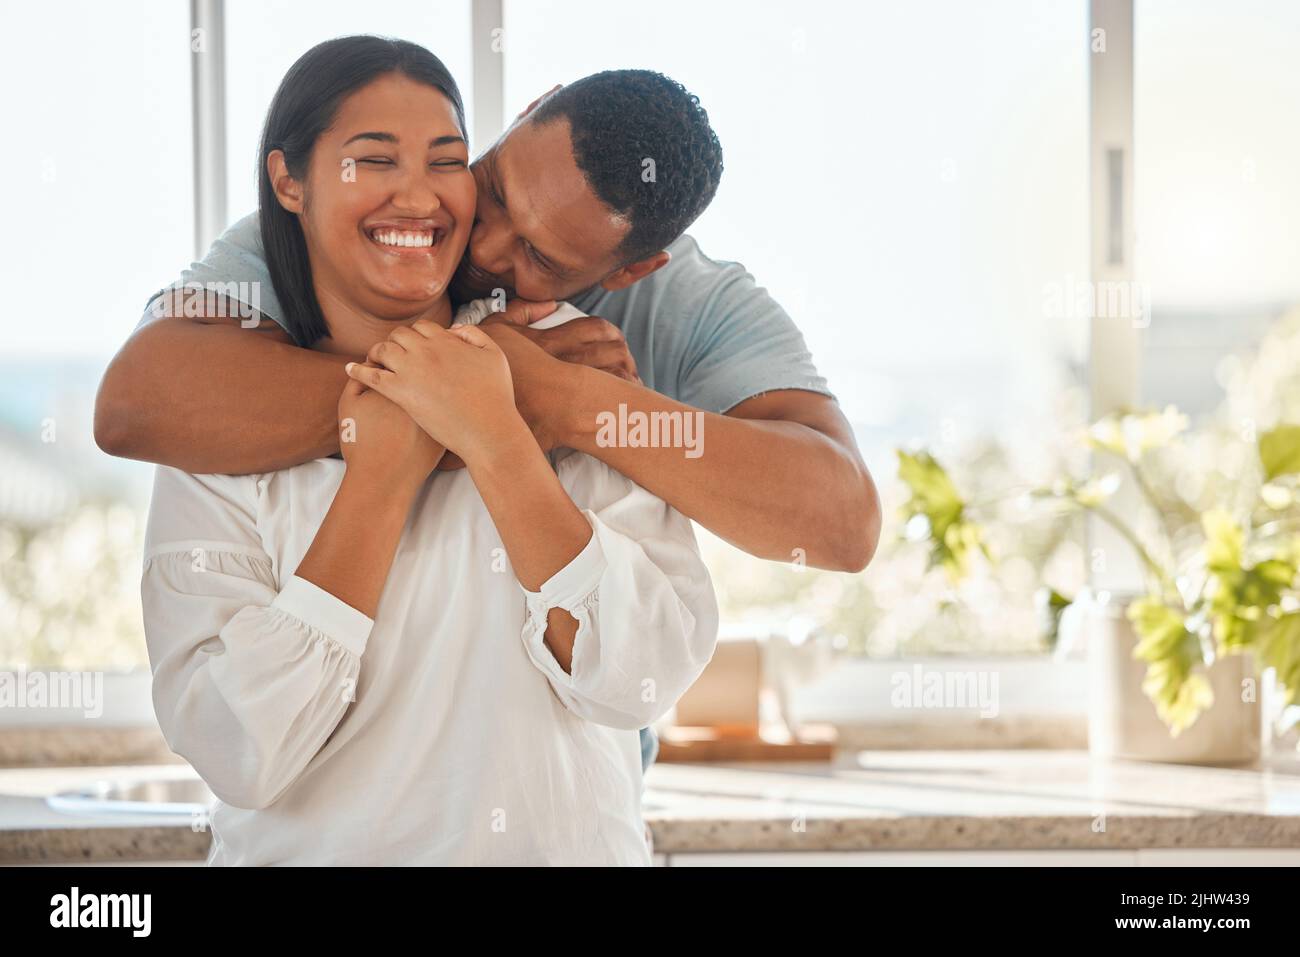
684, 745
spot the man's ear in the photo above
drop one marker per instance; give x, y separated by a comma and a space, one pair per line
635, 272
287, 189
533, 105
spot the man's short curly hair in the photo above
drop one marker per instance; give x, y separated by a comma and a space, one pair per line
620, 119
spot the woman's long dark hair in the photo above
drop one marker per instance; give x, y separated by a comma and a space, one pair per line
303, 108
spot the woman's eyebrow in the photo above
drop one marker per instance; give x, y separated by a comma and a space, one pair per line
382, 137
391, 138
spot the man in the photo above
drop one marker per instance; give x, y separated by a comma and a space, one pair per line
585, 198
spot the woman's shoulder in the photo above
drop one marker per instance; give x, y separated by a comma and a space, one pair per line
252, 484
194, 509
188, 505
172, 484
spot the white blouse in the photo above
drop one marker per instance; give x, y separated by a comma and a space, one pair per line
443, 731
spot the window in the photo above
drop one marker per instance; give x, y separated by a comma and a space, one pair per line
910, 180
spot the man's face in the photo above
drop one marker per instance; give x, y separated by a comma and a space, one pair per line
539, 232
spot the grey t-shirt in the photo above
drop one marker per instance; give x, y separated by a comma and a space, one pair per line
701, 331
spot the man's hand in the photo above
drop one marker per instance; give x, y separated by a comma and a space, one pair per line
541, 380
591, 341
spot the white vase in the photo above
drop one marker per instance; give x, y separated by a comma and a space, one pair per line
1122, 720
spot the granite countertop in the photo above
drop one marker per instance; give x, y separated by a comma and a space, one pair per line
865, 801
971, 800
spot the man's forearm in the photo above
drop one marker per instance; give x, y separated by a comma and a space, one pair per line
218, 398
779, 490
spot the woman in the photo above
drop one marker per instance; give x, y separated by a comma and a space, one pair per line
370, 662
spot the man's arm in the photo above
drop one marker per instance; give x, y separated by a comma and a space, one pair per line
779, 475
205, 395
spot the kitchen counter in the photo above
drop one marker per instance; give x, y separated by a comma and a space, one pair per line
867, 801
33, 833
970, 801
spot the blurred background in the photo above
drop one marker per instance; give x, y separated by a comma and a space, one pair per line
911, 181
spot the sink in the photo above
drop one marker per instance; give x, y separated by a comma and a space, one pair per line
182, 795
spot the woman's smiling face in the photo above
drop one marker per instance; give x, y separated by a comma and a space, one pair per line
388, 202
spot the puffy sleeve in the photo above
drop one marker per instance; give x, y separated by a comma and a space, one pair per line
249, 678
641, 595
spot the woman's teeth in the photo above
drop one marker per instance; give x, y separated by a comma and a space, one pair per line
395, 238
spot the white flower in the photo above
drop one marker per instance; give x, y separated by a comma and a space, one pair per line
1095, 491
1276, 497
1133, 434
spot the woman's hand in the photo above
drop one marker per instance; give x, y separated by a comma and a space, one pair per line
454, 382
381, 441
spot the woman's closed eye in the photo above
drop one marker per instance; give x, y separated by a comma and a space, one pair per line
447, 163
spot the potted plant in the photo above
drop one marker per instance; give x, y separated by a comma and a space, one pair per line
1221, 594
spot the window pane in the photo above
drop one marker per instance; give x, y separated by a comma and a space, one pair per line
95, 159
96, 166
1217, 180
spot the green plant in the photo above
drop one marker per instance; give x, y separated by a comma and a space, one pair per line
70, 591
1219, 581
